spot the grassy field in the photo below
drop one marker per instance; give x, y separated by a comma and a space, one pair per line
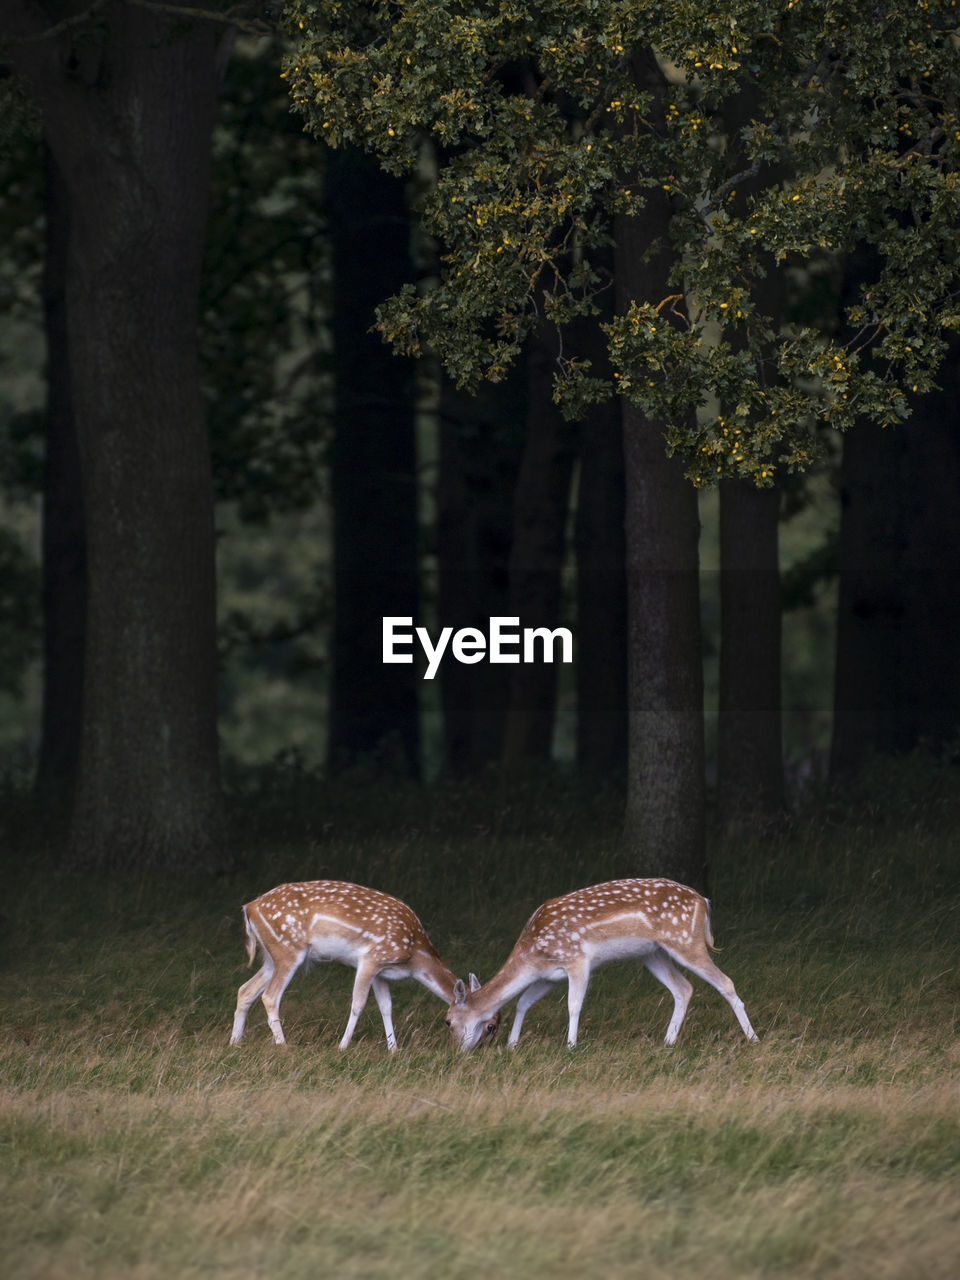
134, 1142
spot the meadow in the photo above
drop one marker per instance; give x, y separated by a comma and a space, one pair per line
135, 1142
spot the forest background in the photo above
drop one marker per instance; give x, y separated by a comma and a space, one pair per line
351, 482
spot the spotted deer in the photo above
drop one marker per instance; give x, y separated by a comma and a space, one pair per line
654, 921
320, 920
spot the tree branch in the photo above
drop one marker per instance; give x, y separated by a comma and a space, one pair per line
232, 17
58, 28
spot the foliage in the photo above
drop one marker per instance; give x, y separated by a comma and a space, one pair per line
19, 611
264, 348
272, 634
20, 427
267, 383
21, 303
19, 114
779, 133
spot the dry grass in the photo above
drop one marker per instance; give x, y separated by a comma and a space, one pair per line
135, 1143
556, 1172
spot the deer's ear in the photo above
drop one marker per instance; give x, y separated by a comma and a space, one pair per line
474, 982
459, 992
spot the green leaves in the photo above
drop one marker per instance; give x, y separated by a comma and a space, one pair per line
814, 144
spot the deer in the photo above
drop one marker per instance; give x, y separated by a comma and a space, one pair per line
658, 922
319, 920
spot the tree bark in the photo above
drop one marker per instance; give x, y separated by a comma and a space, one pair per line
750, 782
897, 682
664, 819
871, 606
479, 446
749, 728
540, 508
374, 708
665, 763
601, 596
64, 551
930, 714
128, 112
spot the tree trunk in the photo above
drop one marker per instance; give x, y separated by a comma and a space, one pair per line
64, 551
750, 739
897, 681
479, 446
930, 715
601, 596
750, 783
128, 110
540, 507
871, 606
374, 707
665, 765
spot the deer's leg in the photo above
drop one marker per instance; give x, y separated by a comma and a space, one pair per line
246, 996
665, 971
705, 968
361, 989
273, 993
381, 991
532, 994
578, 979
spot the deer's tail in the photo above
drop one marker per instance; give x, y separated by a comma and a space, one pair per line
707, 930
250, 938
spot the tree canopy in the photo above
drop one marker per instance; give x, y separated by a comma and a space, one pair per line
781, 134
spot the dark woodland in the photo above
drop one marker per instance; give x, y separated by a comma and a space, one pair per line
191, 307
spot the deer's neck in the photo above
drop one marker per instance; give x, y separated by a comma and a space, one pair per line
435, 976
514, 976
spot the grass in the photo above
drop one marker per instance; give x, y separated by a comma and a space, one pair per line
134, 1142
